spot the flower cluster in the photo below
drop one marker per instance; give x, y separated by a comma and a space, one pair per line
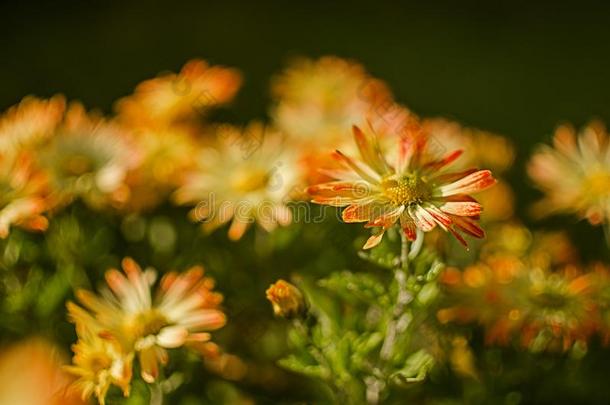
128, 321
528, 288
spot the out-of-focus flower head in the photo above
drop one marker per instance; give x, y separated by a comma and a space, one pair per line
172, 97
181, 312
99, 362
248, 175
87, 157
24, 196
541, 249
414, 190
542, 308
165, 158
574, 174
286, 299
481, 149
29, 122
31, 374
319, 100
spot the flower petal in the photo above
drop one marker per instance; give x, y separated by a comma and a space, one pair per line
474, 182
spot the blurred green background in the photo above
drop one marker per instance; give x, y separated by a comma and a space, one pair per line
513, 67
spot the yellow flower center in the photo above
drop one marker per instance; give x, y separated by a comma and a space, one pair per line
406, 189
598, 183
148, 323
550, 299
98, 362
77, 165
250, 179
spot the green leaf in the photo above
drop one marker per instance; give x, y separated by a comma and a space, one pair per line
356, 287
415, 370
300, 365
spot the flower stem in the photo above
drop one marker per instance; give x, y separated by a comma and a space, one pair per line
403, 297
156, 394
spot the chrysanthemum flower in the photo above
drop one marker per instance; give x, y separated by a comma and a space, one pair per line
545, 310
318, 101
87, 157
98, 362
23, 194
247, 176
31, 121
165, 158
173, 97
574, 174
182, 311
413, 191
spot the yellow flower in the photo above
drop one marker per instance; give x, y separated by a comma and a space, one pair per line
481, 148
31, 121
574, 174
23, 194
414, 190
546, 309
286, 299
98, 362
165, 157
320, 100
247, 176
87, 157
173, 97
183, 310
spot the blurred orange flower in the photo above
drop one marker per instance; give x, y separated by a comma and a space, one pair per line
574, 174
31, 374
29, 122
174, 97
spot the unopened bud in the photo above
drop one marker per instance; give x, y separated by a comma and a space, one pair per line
287, 300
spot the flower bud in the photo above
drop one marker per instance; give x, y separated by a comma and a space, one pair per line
287, 300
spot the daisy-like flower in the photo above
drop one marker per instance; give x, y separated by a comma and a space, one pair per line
165, 158
87, 157
318, 101
98, 362
546, 310
574, 174
174, 97
247, 176
413, 191
29, 122
23, 194
181, 313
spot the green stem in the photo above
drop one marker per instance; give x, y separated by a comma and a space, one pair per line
156, 394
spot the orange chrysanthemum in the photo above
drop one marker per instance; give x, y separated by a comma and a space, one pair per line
24, 196
181, 313
173, 97
246, 176
575, 174
414, 190
30, 121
